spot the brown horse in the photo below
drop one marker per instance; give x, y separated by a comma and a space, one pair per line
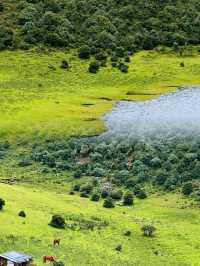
49, 259
56, 242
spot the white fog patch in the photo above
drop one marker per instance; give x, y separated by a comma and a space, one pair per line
177, 112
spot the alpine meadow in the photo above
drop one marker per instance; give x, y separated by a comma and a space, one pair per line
100, 132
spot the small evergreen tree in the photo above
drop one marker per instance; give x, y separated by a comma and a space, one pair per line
142, 194
127, 59
104, 193
93, 67
116, 194
95, 196
1, 7
187, 189
2, 203
84, 52
118, 248
57, 221
58, 263
128, 198
123, 68
148, 230
22, 214
64, 64
108, 203
76, 187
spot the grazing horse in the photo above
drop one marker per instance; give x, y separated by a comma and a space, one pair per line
56, 242
49, 259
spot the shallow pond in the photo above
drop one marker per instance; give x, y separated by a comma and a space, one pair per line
177, 112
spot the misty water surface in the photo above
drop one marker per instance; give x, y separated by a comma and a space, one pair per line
173, 113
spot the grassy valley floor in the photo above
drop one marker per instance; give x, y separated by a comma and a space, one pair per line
176, 241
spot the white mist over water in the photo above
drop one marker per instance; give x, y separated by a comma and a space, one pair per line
172, 113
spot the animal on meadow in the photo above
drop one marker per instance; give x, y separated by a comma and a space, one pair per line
49, 259
56, 242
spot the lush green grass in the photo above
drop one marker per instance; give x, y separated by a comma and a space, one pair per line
176, 240
38, 102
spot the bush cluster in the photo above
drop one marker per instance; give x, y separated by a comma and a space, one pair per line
170, 164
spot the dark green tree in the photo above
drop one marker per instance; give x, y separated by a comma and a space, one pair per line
108, 203
187, 189
2, 203
57, 221
128, 198
148, 230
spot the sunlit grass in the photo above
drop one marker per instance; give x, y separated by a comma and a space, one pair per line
176, 240
38, 102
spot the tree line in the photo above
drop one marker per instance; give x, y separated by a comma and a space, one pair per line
116, 27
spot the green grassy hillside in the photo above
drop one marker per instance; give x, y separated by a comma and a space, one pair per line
176, 241
41, 100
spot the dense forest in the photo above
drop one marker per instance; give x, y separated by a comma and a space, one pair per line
114, 26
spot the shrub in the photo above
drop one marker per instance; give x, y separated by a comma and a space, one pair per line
98, 172
51, 67
114, 64
127, 233
58, 263
1, 7
122, 176
6, 37
187, 189
104, 194
130, 183
64, 64
86, 188
114, 59
120, 51
118, 248
93, 67
148, 230
84, 52
84, 194
155, 162
108, 203
116, 194
77, 174
2, 203
101, 56
57, 221
123, 68
95, 197
24, 163
127, 59
160, 178
142, 194
103, 63
136, 189
22, 214
142, 177
128, 198
76, 187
